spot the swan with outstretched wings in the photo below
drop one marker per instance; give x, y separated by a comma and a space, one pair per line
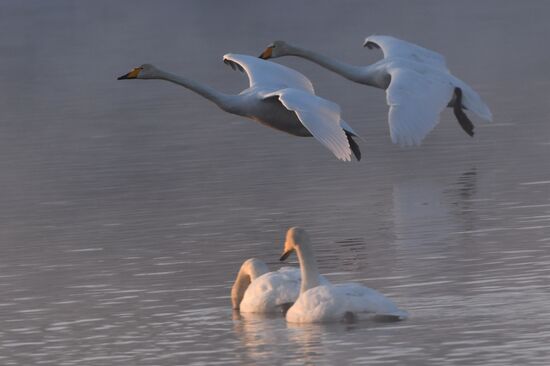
278, 97
418, 85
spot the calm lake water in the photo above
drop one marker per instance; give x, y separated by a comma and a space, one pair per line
128, 207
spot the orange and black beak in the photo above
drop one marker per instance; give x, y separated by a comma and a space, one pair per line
131, 75
267, 53
285, 255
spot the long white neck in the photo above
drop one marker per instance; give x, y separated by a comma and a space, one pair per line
308, 267
226, 102
359, 74
250, 270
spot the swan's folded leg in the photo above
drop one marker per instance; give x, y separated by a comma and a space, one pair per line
462, 118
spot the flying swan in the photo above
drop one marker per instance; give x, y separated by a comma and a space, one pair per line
256, 290
328, 303
277, 97
417, 81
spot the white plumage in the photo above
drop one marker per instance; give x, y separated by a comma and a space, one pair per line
272, 291
417, 81
321, 118
277, 97
324, 302
256, 290
342, 302
413, 115
267, 74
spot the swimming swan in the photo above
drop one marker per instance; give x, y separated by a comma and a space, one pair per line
256, 290
325, 302
277, 97
417, 81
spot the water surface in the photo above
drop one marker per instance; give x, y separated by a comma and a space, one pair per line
128, 207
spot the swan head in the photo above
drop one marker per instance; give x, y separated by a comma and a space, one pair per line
145, 71
250, 270
275, 49
295, 236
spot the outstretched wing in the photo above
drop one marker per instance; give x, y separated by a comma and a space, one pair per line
320, 117
264, 73
415, 102
421, 87
393, 47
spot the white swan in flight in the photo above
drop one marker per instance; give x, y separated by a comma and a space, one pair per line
417, 81
325, 302
278, 97
256, 290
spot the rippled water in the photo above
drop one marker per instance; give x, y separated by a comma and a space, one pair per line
127, 207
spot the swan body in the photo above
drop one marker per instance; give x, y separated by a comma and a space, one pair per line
256, 290
320, 302
418, 85
277, 97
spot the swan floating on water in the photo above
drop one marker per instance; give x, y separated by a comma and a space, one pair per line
277, 97
418, 84
319, 302
256, 290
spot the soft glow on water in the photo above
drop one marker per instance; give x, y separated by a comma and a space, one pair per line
128, 207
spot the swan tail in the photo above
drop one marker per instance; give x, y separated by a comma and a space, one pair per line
400, 315
472, 101
391, 316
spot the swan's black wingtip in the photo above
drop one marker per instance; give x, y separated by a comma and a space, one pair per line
353, 145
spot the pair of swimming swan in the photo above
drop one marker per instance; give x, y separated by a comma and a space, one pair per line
307, 295
418, 85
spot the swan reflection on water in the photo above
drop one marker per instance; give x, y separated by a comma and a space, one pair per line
430, 202
266, 337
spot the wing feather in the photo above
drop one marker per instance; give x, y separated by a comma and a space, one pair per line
415, 102
421, 87
393, 47
472, 101
262, 73
320, 117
